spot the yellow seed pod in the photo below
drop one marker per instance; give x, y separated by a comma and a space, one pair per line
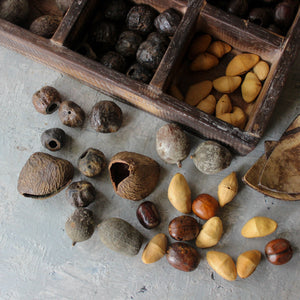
241, 64
251, 87
219, 48
227, 189
261, 69
199, 45
223, 106
247, 262
155, 249
258, 227
198, 91
208, 104
203, 62
227, 84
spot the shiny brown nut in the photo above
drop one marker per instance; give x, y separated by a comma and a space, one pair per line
91, 162
71, 114
205, 206
183, 257
279, 251
184, 228
53, 139
46, 100
148, 215
80, 193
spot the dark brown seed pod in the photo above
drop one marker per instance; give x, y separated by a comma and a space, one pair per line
46, 100
133, 176
53, 139
128, 43
91, 162
80, 225
44, 175
167, 22
116, 10
86, 50
114, 60
71, 114
261, 16
106, 117
140, 18
184, 228
45, 26
147, 215
140, 73
238, 7
81, 193
183, 257
285, 13
63, 5
15, 11
279, 251
158, 38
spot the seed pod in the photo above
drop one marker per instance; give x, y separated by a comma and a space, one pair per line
120, 236
203, 62
208, 104
279, 251
251, 87
80, 193
45, 26
167, 22
227, 189
71, 114
15, 11
80, 226
44, 175
172, 144
63, 5
247, 262
261, 70
199, 45
148, 215
179, 194
198, 91
219, 48
133, 176
155, 249
284, 13
184, 228
175, 92
238, 7
86, 50
53, 139
106, 117
205, 206
140, 73
128, 43
227, 84
114, 60
261, 16
236, 118
258, 227
223, 106
116, 10
241, 64
46, 100
91, 162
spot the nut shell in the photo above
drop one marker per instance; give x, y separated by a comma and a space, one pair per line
45, 26
91, 162
71, 114
80, 193
205, 206
15, 11
53, 139
167, 22
148, 215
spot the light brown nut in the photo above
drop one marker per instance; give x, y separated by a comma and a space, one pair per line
237, 118
155, 249
210, 234
208, 104
223, 105
251, 87
199, 45
227, 84
247, 262
198, 91
227, 189
258, 227
261, 69
241, 64
179, 194
223, 264
203, 62
219, 48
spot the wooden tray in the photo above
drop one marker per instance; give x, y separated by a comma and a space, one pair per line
277, 50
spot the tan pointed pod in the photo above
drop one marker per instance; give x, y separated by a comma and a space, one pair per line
199, 45
203, 62
261, 69
155, 249
210, 234
247, 262
179, 194
219, 48
236, 118
223, 105
251, 87
227, 84
241, 64
198, 91
133, 176
227, 189
223, 264
258, 227
44, 175
208, 104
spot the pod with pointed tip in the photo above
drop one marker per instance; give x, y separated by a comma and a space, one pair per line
247, 262
258, 227
155, 249
227, 189
241, 64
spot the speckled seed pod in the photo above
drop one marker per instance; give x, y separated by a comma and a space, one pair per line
45, 26
106, 117
15, 11
128, 43
116, 10
81, 193
71, 114
46, 100
91, 162
140, 73
167, 22
114, 60
53, 139
80, 225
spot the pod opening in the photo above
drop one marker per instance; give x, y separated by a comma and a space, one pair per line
119, 171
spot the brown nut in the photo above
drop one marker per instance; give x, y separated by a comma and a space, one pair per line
205, 206
184, 228
91, 162
71, 114
46, 100
80, 193
279, 251
148, 215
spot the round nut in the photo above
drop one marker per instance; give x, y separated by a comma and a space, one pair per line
46, 100
279, 251
148, 215
71, 114
205, 206
91, 162
80, 193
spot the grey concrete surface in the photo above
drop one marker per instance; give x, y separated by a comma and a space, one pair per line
37, 260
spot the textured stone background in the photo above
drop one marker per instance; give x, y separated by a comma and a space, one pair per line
37, 260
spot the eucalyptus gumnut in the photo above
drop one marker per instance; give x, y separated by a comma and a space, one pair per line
91, 162
172, 144
53, 139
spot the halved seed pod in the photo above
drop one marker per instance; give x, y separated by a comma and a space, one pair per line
227, 189
155, 249
133, 176
251, 87
44, 175
241, 64
227, 84
258, 227
247, 262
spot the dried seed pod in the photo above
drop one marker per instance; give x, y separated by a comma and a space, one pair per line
120, 236
205, 206
227, 84
208, 104
46, 100
44, 175
250, 87
140, 73
81, 193
71, 114
167, 22
86, 50
203, 62
155, 249
238, 7
279, 251
261, 16
158, 38
140, 18
128, 43
15, 11
106, 117
247, 262
172, 144
114, 60
198, 91
223, 106
80, 225
91, 162
284, 13
241, 64
227, 189
116, 10
184, 228
199, 45
45, 26
219, 48
261, 70
63, 5
175, 92
236, 118
133, 176
258, 227
53, 139
148, 215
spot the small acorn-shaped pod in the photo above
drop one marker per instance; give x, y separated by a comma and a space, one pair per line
251, 87
44, 175
134, 176
53, 139
71, 114
227, 84
91, 162
227, 189
80, 225
45, 26
155, 249
15, 11
167, 22
258, 227
172, 144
